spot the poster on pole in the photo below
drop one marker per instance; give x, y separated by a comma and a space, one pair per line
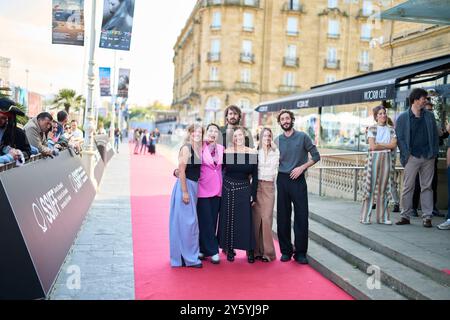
124, 82
117, 24
68, 22
105, 82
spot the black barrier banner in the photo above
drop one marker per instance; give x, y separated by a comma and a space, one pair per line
104, 147
99, 166
43, 205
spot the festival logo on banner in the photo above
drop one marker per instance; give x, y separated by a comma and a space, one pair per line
124, 82
68, 22
117, 24
105, 82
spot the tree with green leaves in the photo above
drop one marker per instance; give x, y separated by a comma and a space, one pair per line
68, 99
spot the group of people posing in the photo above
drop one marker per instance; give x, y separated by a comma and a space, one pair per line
225, 193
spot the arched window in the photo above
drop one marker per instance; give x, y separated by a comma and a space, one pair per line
247, 112
212, 108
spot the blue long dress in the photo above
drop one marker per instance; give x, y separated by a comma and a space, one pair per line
183, 226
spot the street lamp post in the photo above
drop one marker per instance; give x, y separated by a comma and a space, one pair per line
89, 150
113, 100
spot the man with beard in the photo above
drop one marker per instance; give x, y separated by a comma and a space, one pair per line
13, 140
294, 148
232, 120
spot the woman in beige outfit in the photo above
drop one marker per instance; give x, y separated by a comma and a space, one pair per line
269, 158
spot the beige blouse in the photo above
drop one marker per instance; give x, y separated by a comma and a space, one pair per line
268, 166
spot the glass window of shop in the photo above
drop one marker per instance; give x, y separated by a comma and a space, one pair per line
344, 127
306, 120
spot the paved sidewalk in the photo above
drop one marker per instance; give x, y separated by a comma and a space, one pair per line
103, 250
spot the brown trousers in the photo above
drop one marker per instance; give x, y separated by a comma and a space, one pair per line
263, 220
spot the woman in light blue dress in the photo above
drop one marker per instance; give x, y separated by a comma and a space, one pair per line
183, 229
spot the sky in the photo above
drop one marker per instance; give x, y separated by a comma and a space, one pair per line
25, 38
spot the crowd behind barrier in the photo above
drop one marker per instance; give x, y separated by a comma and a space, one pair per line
41, 224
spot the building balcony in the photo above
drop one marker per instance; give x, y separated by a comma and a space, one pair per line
291, 62
292, 33
243, 3
332, 64
333, 35
213, 85
287, 89
245, 86
247, 57
215, 27
365, 38
213, 56
287, 7
248, 28
365, 67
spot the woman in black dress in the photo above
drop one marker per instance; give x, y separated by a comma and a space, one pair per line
240, 182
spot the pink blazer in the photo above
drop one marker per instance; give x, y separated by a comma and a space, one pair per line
210, 182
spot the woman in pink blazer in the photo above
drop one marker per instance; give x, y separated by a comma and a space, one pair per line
209, 193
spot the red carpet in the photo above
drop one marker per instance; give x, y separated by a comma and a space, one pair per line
151, 185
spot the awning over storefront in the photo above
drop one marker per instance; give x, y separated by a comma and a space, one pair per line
420, 11
374, 86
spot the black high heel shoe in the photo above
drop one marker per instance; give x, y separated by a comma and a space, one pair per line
250, 256
226, 252
230, 257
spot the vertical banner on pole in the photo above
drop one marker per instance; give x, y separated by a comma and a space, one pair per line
124, 82
68, 22
117, 24
105, 82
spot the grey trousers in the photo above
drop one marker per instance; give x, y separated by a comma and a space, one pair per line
425, 168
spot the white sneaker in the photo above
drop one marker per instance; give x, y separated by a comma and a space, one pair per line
388, 222
201, 256
444, 225
215, 259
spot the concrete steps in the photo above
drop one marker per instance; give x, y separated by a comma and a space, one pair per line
350, 279
398, 279
384, 243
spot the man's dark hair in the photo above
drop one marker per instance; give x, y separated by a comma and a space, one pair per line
416, 94
235, 109
62, 116
283, 111
74, 121
44, 115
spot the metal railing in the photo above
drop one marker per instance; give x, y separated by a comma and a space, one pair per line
33, 158
291, 62
365, 67
213, 56
247, 57
342, 175
332, 64
292, 7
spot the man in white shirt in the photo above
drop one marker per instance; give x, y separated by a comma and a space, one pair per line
77, 134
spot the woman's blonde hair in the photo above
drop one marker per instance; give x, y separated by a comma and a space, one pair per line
190, 130
261, 134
